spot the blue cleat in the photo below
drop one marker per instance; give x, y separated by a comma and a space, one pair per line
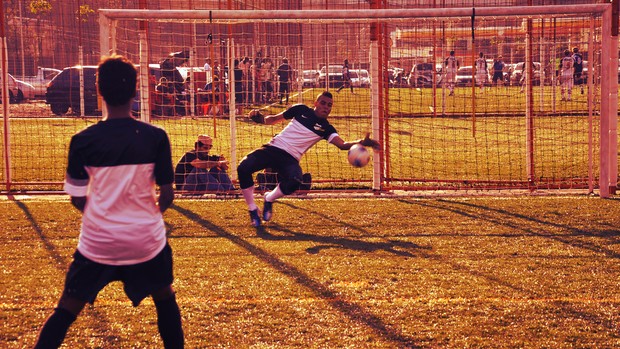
255, 218
267, 211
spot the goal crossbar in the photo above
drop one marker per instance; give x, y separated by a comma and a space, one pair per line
357, 15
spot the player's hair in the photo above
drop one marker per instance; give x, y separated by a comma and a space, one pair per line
116, 80
326, 94
566, 53
575, 49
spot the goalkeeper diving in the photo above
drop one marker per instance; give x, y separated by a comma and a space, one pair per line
283, 152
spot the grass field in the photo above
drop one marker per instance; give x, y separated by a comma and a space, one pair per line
481, 272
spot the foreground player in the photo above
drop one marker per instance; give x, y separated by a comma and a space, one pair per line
112, 171
283, 152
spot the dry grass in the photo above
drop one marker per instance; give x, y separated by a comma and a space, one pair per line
528, 272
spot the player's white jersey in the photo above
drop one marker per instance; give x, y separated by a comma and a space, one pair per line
567, 65
481, 65
451, 64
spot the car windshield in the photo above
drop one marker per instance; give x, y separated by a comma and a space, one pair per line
424, 66
309, 74
353, 74
465, 71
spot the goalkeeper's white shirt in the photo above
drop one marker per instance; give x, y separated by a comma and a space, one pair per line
304, 131
116, 164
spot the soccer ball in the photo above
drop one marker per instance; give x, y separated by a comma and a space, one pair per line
358, 155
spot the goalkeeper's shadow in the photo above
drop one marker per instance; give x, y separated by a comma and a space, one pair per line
396, 247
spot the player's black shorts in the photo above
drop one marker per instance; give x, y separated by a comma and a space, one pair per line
86, 278
272, 157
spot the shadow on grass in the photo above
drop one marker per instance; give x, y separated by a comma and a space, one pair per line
397, 247
98, 319
347, 308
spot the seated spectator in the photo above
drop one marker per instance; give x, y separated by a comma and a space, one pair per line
197, 171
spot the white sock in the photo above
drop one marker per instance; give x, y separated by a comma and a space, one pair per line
248, 195
274, 194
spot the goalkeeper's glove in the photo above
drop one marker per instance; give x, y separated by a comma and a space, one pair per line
257, 117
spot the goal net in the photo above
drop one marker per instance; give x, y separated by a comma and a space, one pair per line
461, 99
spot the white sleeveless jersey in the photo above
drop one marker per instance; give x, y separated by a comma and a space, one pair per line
451, 64
481, 65
567, 64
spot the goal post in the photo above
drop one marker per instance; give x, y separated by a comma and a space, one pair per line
439, 131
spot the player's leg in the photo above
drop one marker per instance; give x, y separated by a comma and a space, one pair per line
257, 160
290, 177
83, 282
154, 278
55, 329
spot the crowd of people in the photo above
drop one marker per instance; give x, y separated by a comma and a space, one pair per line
257, 81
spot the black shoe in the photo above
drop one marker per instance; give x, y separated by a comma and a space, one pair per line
267, 211
255, 218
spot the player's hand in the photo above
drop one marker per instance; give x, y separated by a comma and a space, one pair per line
368, 142
256, 116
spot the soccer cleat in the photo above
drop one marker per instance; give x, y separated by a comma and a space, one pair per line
267, 211
255, 218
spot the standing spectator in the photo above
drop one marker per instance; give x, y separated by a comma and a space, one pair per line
198, 171
524, 76
246, 66
346, 77
113, 169
451, 66
266, 74
285, 74
498, 71
566, 75
282, 154
578, 68
482, 71
238, 74
208, 71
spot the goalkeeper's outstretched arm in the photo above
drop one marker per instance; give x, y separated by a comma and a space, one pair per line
366, 141
256, 116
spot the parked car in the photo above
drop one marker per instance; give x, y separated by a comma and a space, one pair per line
310, 78
40, 81
517, 74
398, 77
335, 76
464, 76
421, 75
25, 90
18, 90
63, 92
360, 78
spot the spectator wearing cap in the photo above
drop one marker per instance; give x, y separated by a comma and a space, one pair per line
498, 71
197, 171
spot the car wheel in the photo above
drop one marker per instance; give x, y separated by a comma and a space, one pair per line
12, 97
59, 109
20, 96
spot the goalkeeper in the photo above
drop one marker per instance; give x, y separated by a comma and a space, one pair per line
283, 152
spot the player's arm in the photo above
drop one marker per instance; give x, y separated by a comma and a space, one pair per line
166, 196
256, 116
366, 141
